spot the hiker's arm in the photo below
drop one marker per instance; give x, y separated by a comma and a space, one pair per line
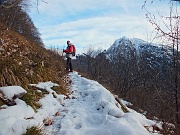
69, 50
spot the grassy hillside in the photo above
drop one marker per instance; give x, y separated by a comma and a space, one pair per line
23, 62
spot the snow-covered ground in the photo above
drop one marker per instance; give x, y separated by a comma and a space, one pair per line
89, 110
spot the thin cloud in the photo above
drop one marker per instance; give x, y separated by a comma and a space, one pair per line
91, 32
93, 22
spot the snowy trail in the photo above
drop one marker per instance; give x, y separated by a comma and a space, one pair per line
92, 110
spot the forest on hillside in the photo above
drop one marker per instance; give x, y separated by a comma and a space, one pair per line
146, 80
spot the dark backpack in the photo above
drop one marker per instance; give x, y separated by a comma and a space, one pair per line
74, 50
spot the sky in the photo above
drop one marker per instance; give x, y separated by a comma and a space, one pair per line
93, 23
89, 109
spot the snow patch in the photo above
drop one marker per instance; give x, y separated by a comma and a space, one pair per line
10, 91
94, 111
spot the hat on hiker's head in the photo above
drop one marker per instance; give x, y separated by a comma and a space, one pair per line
68, 42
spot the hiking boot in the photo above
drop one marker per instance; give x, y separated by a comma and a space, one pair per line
67, 71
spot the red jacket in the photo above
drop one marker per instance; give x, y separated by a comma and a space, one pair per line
69, 49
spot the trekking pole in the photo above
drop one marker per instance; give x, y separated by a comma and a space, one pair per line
63, 50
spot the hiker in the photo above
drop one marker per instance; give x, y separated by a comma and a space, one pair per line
70, 52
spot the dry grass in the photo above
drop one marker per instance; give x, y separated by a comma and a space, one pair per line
23, 63
32, 97
59, 90
34, 131
1, 103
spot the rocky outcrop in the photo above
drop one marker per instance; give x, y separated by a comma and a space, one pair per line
9, 93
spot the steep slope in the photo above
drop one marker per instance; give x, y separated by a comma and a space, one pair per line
22, 62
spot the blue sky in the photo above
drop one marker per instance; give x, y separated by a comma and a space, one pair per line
93, 23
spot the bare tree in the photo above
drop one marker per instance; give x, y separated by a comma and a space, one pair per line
170, 31
18, 20
11, 3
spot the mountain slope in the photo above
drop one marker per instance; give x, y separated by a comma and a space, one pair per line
126, 47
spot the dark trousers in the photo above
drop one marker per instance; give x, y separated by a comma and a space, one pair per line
69, 64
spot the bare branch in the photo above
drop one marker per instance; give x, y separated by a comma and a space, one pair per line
11, 5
